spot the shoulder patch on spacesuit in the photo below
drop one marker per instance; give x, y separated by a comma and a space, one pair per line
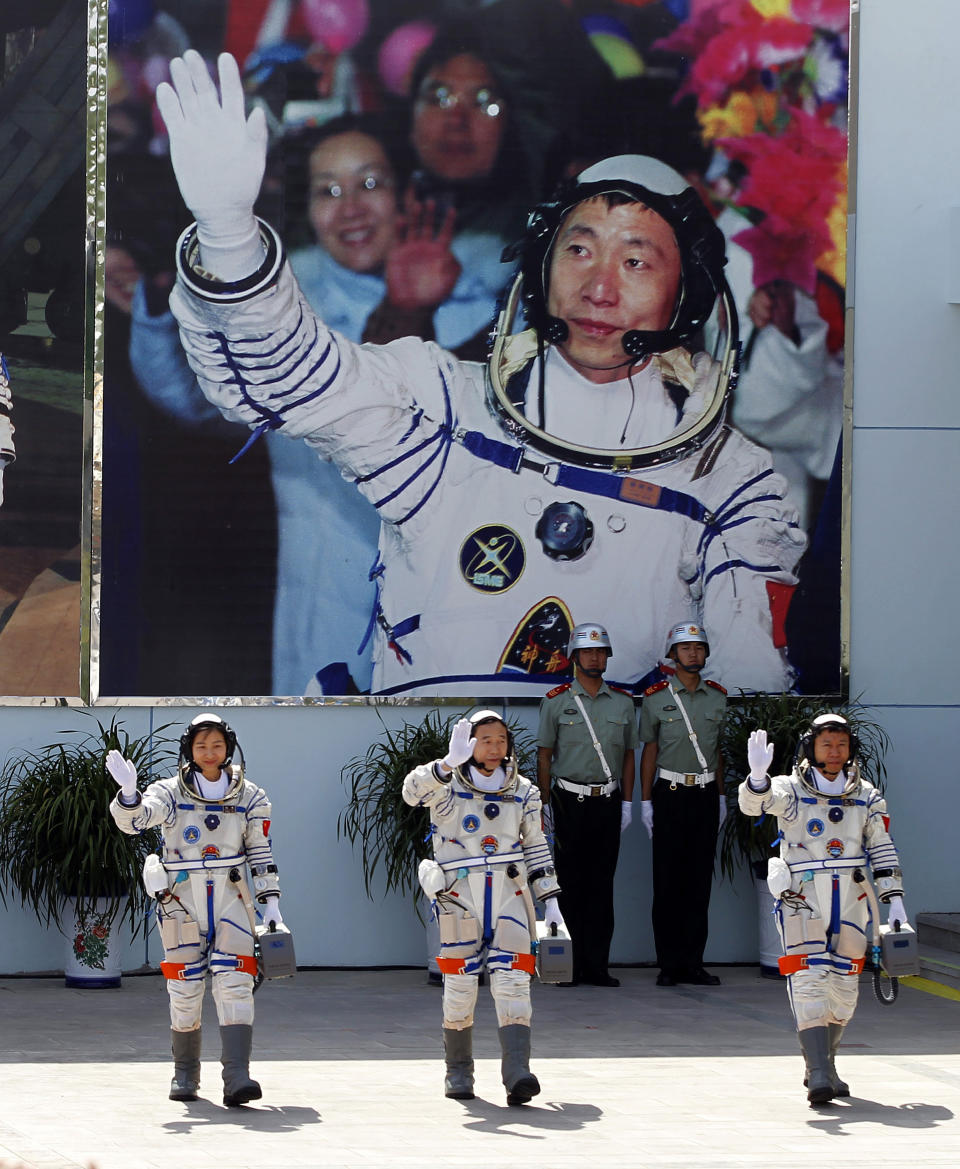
559, 690
655, 687
715, 685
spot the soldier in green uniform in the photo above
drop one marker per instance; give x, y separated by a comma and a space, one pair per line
681, 780
586, 769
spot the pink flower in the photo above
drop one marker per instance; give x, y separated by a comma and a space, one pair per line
99, 931
783, 251
830, 14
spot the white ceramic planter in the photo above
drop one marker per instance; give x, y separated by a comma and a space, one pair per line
769, 936
92, 958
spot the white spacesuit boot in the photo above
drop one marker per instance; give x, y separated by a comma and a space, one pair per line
519, 1081
186, 1064
815, 1044
236, 1041
458, 1050
835, 1034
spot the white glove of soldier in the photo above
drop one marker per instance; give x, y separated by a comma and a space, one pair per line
896, 911
3, 463
626, 815
461, 745
646, 816
218, 156
125, 774
759, 756
552, 914
271, 912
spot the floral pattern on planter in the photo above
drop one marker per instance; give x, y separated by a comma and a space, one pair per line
92, 939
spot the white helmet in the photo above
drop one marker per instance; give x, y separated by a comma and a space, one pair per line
686, 631
589, 635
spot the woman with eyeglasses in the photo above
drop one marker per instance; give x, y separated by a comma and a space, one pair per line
343, 183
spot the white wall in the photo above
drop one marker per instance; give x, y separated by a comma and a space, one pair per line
906, 470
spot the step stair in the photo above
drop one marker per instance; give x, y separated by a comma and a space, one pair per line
938, 937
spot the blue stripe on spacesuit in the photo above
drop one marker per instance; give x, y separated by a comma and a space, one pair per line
730, 565
210, 922
834, 927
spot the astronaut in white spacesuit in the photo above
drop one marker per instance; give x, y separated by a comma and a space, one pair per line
7, 452
491, 860
833, 825
215, 825
588, 466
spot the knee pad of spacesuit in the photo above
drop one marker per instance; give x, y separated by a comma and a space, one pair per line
233, 994
809, 997
186, 1003
844, 990
459, 1000
511, 996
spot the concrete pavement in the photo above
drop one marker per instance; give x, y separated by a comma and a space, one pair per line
350, 1064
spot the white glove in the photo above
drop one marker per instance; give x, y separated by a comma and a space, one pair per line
3, 463
125, 774
432, 877
547, 820
723, 811
552, 914
271, 912
218, 156
896, 911
646, 816
461, 744
626, 815
759, 756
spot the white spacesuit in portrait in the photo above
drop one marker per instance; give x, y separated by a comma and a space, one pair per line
214, 830
491, 860
518, 495
7, 452
834, 826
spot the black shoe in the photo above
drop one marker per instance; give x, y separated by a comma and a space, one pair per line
664, 978
700, 977
601, 980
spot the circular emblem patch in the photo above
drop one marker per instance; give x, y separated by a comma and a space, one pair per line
836, 815
211, 850
471, 823
492, 558
815, 827
191, 834
212, 822
835, 848
489, 844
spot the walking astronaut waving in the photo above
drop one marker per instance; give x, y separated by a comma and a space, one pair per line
588, 466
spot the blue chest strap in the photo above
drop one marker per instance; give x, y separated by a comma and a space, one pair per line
624, 488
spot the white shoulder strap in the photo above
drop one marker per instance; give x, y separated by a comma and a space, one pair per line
690, 731
593, 736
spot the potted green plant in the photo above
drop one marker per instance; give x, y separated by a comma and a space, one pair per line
749, 842
393, 837
62, 855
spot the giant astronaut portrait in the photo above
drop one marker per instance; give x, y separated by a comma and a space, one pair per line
501, 362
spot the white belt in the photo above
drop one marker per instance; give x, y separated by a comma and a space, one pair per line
688, 778
473, 862
207, 862
587, 789
827, 864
